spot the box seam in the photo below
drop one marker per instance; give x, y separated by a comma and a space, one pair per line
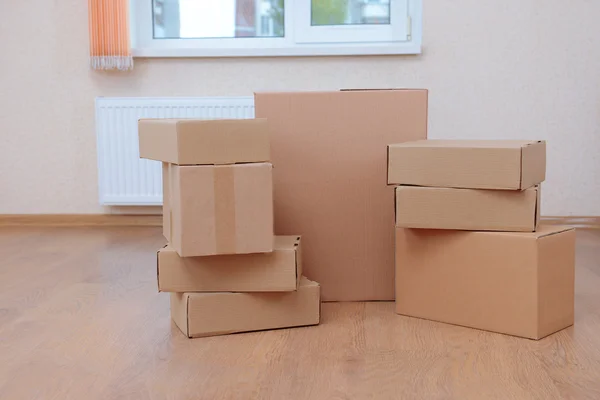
187, 316
567, 229
537, 294
521, 170
296, 245
537, 208
396, 206
157, 268
387, 168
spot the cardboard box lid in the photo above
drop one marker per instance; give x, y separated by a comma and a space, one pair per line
476, 164
197, 142
467, 209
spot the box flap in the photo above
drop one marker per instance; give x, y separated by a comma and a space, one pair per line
541, 231
548, 230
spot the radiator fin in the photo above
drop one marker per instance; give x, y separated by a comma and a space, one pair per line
125, 179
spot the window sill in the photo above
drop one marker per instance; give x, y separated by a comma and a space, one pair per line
296, 51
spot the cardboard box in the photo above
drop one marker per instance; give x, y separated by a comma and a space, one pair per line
279, 271
210, 314
329, 181
475, 164
468, 209
195, 142
224, 209
519, 284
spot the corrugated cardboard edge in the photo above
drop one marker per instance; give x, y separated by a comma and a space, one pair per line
536, 221
560, 229
320, 305
396, 206
298, 260
387, 163
187, 315
158, 267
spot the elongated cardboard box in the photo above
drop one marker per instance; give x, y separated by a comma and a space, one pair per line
210, 314
468, 209
220, 209
475, 164
195, 142
279, 271
329, 181
519, 284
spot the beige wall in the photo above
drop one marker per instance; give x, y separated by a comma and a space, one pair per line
519, 69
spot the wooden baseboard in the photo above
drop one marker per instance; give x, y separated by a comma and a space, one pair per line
156, 220
577, 222
80, 220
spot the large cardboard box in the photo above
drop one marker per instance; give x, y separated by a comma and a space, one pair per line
279, 271
195, 142
210, 314
475, 164
468, 209
220, 209
519, 284
329, 149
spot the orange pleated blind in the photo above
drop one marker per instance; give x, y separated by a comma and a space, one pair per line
109, 34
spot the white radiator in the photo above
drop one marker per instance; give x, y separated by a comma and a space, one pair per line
124, 179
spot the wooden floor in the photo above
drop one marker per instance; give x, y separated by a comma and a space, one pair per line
80, 318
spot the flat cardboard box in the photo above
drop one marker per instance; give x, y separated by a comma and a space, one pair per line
468, 209
218, 209
473, 164
329, 181
519, 284
196, 142
279, 271
211, 314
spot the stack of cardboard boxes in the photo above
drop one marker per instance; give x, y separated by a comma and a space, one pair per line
469, 250
226, 270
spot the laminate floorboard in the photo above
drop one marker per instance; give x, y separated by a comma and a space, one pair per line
80, 318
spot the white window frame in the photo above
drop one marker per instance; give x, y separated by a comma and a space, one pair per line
402, 36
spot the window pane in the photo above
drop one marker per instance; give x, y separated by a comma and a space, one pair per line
217, 18
350, 12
